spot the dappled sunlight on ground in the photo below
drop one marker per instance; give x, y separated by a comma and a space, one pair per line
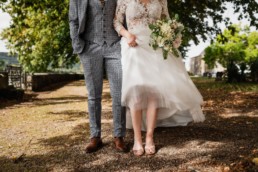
49, 130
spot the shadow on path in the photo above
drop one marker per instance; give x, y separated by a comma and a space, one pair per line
218, 142
208, 144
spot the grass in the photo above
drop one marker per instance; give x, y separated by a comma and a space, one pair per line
210, 84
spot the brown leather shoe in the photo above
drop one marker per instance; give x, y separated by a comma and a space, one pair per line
94, 145
120, 144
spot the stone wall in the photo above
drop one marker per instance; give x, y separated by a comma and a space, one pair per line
3, 80
40, 80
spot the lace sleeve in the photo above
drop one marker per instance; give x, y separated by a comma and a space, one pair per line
165, 13
120, 15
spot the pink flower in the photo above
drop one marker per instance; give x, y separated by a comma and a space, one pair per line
177, 42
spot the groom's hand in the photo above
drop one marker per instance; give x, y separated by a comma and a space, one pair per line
131, 40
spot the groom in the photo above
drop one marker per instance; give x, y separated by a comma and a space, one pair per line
97, 44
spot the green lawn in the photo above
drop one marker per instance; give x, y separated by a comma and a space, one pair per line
211, 84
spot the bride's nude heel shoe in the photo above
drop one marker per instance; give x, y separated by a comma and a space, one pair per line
150, 150
138, 152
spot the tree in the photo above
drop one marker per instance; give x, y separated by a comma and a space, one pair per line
193, 15
252, 54
235, 49
39, 32
2, 65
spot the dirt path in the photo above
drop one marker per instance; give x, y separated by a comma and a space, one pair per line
49, 131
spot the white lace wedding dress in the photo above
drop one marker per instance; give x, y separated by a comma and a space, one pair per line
147, 76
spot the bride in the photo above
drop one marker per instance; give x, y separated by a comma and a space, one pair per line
156, 92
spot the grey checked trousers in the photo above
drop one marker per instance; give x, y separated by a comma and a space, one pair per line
93, 58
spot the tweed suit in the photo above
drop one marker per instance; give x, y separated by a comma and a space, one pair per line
97, 43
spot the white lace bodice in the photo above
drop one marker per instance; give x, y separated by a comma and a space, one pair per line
138, 14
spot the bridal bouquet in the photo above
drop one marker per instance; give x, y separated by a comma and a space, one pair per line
166, 34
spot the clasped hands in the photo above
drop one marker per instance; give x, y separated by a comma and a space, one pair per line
131, 40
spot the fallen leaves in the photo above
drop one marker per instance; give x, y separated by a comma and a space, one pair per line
57, 121
244, 165
255, 161
18, 159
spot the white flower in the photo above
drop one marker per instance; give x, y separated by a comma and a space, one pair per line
161, 41
165, 28
167, 47
169, 35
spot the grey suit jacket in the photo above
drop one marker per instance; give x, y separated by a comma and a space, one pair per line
89, 21
77, 19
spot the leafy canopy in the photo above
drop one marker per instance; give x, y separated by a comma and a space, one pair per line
235, 44
39, 31
236, 49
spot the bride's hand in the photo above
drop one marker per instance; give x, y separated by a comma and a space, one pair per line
131, 40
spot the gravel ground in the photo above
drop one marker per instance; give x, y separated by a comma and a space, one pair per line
48, 131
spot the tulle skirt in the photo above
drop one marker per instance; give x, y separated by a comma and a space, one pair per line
148, 79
